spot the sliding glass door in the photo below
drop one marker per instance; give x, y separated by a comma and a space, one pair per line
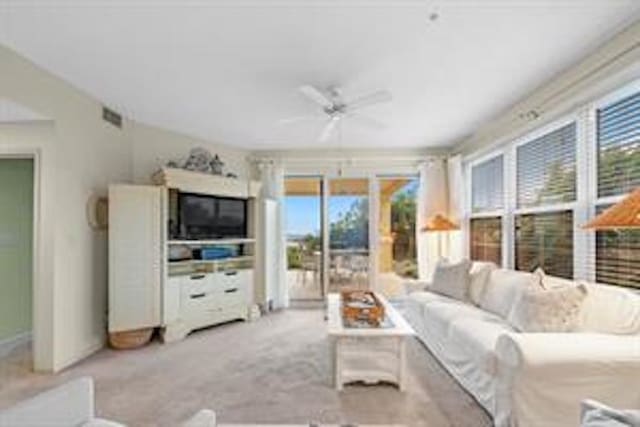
396, 233
348, 216
333, 226
304, 231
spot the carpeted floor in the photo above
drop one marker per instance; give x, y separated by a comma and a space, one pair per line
275, 370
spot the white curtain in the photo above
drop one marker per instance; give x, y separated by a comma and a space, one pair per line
432, 200
457, 250
273, 189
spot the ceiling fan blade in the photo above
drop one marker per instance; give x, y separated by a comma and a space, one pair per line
328, 130
298, 119
316, 96
371, 99
367, 121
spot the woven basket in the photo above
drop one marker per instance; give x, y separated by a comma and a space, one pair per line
126, 340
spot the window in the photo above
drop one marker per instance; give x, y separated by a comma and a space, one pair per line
486, 239
487, 196
618, 257
618, 144
545, 240
546, 169
487, 187
527, 206
619, 147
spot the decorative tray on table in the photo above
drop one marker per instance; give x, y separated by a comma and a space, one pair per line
362, 309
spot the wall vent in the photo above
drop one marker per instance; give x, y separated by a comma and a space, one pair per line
112, 117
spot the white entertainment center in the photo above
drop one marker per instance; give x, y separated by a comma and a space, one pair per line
148, 286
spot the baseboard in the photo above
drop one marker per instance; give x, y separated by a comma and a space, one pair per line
8, 344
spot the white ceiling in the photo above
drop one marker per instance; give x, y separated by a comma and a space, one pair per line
228, 71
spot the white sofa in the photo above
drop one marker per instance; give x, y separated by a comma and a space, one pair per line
72, 405
532, 379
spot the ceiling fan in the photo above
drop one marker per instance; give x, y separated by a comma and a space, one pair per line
337, 109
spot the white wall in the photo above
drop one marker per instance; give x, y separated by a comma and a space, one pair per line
154, 147
81, 154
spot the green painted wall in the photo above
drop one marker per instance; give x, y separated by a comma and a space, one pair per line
16, 230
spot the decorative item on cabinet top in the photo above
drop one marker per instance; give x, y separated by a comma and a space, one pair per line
196, 182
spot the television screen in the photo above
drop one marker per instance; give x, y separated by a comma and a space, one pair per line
208, 217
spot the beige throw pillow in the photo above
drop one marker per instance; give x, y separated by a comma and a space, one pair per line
452, 279
479, 277
548, 310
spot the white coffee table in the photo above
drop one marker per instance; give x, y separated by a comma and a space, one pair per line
370, 355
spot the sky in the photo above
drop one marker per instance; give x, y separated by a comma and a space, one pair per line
303, 212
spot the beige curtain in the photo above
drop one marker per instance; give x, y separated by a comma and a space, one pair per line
432, 200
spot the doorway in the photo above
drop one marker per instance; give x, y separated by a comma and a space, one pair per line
350, 233
16, 252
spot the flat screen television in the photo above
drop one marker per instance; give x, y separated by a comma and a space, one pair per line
209, 217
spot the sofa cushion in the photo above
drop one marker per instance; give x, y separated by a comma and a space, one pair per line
503, 289
477, 336
452, 279
548, 310
610, 310
479, 275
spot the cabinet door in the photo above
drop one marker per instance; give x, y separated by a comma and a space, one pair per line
135, 256
171, 300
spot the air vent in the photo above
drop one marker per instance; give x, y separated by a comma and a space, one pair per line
112, 117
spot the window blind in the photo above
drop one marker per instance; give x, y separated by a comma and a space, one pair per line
545, 240
486, 239
618, 127
618, 256
546, 169
487, 185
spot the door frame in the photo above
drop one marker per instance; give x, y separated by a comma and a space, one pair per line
41, 332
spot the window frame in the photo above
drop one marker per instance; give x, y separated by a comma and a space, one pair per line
586, 201
470, 214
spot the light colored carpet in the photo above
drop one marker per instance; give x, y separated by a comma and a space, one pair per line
275, 370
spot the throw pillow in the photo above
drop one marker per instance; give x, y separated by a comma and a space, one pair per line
479, 276
503, 290
550, 310
452, 279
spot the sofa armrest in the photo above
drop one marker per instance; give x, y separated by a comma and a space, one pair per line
411, 286
69, 404
571, 350
204, 418
545, 376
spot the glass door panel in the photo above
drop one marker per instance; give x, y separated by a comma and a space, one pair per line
303, 206
348, 217
396, 233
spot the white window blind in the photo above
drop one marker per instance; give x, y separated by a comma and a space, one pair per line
487, 185
545, 240
619, 146
546, 169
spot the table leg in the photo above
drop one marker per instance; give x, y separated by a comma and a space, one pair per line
402, 365
337, 364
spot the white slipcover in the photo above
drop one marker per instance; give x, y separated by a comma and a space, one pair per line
534, 379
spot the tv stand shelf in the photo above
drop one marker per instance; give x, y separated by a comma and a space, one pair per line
238, 241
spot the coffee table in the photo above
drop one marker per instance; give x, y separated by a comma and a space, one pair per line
372, 354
